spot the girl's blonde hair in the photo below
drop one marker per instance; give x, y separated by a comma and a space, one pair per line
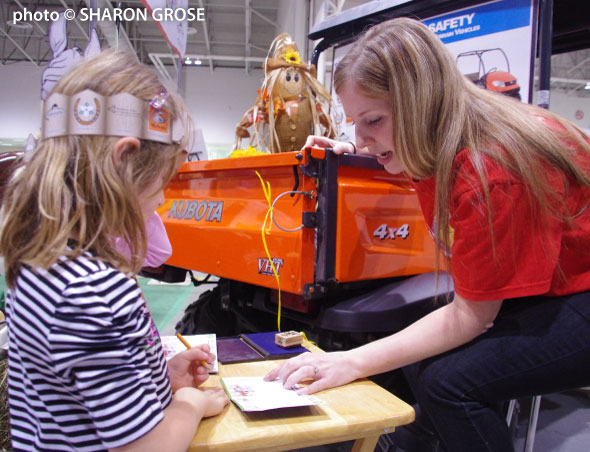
70, 197
437, 112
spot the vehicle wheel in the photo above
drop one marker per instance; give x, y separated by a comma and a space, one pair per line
206, 316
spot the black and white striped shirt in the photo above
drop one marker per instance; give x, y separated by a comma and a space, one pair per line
86, 366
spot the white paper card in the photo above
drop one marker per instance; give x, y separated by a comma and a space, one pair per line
172, 346
255, 394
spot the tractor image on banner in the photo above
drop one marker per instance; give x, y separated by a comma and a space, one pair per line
488, 76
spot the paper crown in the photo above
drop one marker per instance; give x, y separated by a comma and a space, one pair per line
121, 115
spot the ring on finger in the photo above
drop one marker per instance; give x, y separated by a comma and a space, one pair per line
315, 371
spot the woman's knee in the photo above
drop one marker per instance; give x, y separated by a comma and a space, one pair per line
438, 381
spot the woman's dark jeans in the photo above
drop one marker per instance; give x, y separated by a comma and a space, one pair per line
538, 345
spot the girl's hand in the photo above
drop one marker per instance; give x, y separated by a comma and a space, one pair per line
328, 370
207, 402
215, 399
339, 147
186, 369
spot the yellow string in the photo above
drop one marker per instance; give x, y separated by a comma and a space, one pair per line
305, 337
264, 230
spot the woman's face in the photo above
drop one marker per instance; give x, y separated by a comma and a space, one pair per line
373, 125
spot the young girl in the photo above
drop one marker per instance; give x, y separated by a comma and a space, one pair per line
505, 188
86, 368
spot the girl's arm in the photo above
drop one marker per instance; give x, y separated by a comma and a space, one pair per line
181, 419
448, 327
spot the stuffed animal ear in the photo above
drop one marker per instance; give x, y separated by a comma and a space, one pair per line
93, 47
57, 35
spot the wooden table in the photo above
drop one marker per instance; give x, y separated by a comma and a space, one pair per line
359, 411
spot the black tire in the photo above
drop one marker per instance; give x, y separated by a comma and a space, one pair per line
206, 316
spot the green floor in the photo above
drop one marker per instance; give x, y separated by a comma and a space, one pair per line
2, 291
164, 301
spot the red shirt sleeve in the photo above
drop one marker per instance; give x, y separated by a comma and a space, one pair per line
521, 258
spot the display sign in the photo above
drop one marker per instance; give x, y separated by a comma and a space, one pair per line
482, 20
345, 124
493, 44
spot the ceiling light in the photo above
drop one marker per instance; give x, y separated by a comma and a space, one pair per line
587, 85
188, 61
191, 31
198, 62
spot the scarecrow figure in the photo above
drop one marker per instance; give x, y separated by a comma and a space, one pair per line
291, 105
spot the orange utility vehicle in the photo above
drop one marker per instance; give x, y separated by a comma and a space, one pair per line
347, 240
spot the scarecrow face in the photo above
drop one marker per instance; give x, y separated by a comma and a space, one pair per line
289, 84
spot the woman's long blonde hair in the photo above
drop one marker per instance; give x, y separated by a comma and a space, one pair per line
437, 112
71, 193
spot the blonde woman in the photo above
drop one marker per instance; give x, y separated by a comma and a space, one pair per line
87, 370
505, 187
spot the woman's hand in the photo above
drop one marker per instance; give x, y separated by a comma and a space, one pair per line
328, 370
339, 147
186, 368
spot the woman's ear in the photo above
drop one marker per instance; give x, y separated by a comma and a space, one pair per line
123, 145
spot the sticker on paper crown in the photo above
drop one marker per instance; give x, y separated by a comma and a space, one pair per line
158, 127
55, 116
125, 115
88, 114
